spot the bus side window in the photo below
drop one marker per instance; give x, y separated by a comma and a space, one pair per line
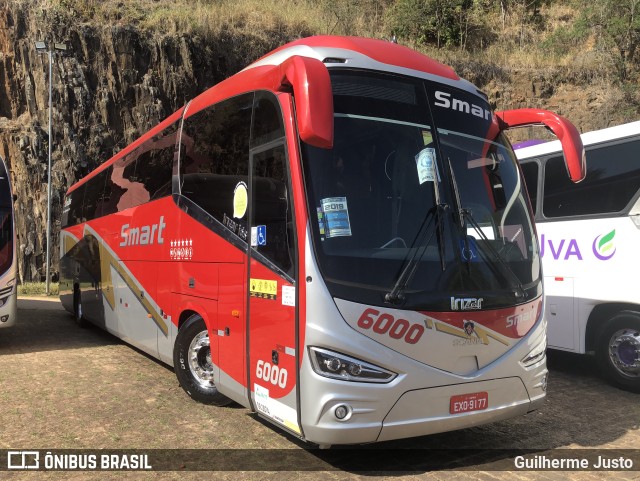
6, 221
143, 174
154, 165
214, 159
112, 192
73, 214
612, 182
272, 209
154, 171
135, 193
91, 206
267, 119
530, 172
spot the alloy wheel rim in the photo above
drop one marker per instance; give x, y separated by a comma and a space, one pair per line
624, 352
200, 360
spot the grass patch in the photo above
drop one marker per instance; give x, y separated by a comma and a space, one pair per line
37, 289
512, 39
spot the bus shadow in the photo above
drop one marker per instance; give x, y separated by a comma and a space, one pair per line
43, 325
581, 412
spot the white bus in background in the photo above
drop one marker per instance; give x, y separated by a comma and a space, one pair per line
589, 237
8, 289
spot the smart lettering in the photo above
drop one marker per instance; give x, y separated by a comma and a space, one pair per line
142, 235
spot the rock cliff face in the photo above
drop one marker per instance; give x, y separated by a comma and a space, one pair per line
115, 83
118, 81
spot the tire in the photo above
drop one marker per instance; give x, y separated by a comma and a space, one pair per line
618, 351
77, 309
192, 363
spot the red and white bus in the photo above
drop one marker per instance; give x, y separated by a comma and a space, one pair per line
337, 237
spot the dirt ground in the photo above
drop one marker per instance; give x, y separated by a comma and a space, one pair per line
64, 387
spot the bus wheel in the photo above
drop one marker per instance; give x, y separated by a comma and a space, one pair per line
618, 351
192, 362
77, 309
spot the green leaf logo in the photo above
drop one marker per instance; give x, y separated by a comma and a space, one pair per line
604, 247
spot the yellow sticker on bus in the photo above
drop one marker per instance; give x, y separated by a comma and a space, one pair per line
263, 288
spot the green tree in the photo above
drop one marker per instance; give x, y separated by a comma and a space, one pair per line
354, 17
527, 10
435, 22
617, 24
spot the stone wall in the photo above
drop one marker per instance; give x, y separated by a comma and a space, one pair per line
115, 83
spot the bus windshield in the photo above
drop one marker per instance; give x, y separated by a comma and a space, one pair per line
6, 221
417, 195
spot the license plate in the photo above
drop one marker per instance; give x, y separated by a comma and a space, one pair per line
465, 403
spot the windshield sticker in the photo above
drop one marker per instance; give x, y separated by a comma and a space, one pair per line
336, 217
240, 200
321, 222
469, 249
426, 164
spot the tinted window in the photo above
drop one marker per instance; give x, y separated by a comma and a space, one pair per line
214, 161
124, 177
530, 171
112, 190
6, 221
272, 213
613, 178
154, 169
72, 211
6, 238
267, 119
91, 206
407, 153
380, 96
143, 174
5, 190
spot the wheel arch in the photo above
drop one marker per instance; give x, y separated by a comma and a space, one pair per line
184, 315
205, 308
600, 315
196, 374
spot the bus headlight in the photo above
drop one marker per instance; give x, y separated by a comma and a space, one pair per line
536, 355
340, 366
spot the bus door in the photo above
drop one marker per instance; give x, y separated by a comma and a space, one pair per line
271, 289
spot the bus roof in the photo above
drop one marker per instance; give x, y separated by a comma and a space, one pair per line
588, 138
348, 52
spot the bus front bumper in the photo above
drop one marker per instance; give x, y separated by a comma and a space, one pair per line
427, 411
420, 412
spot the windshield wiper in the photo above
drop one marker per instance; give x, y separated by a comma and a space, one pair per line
466, 214
463, 216
396, 295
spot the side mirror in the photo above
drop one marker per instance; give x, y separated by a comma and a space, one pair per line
568, 135
311, 85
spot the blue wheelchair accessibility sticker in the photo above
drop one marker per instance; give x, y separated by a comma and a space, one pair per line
262, 235
469, 254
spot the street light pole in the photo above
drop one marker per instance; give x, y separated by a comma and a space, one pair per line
49, 169
42, 47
